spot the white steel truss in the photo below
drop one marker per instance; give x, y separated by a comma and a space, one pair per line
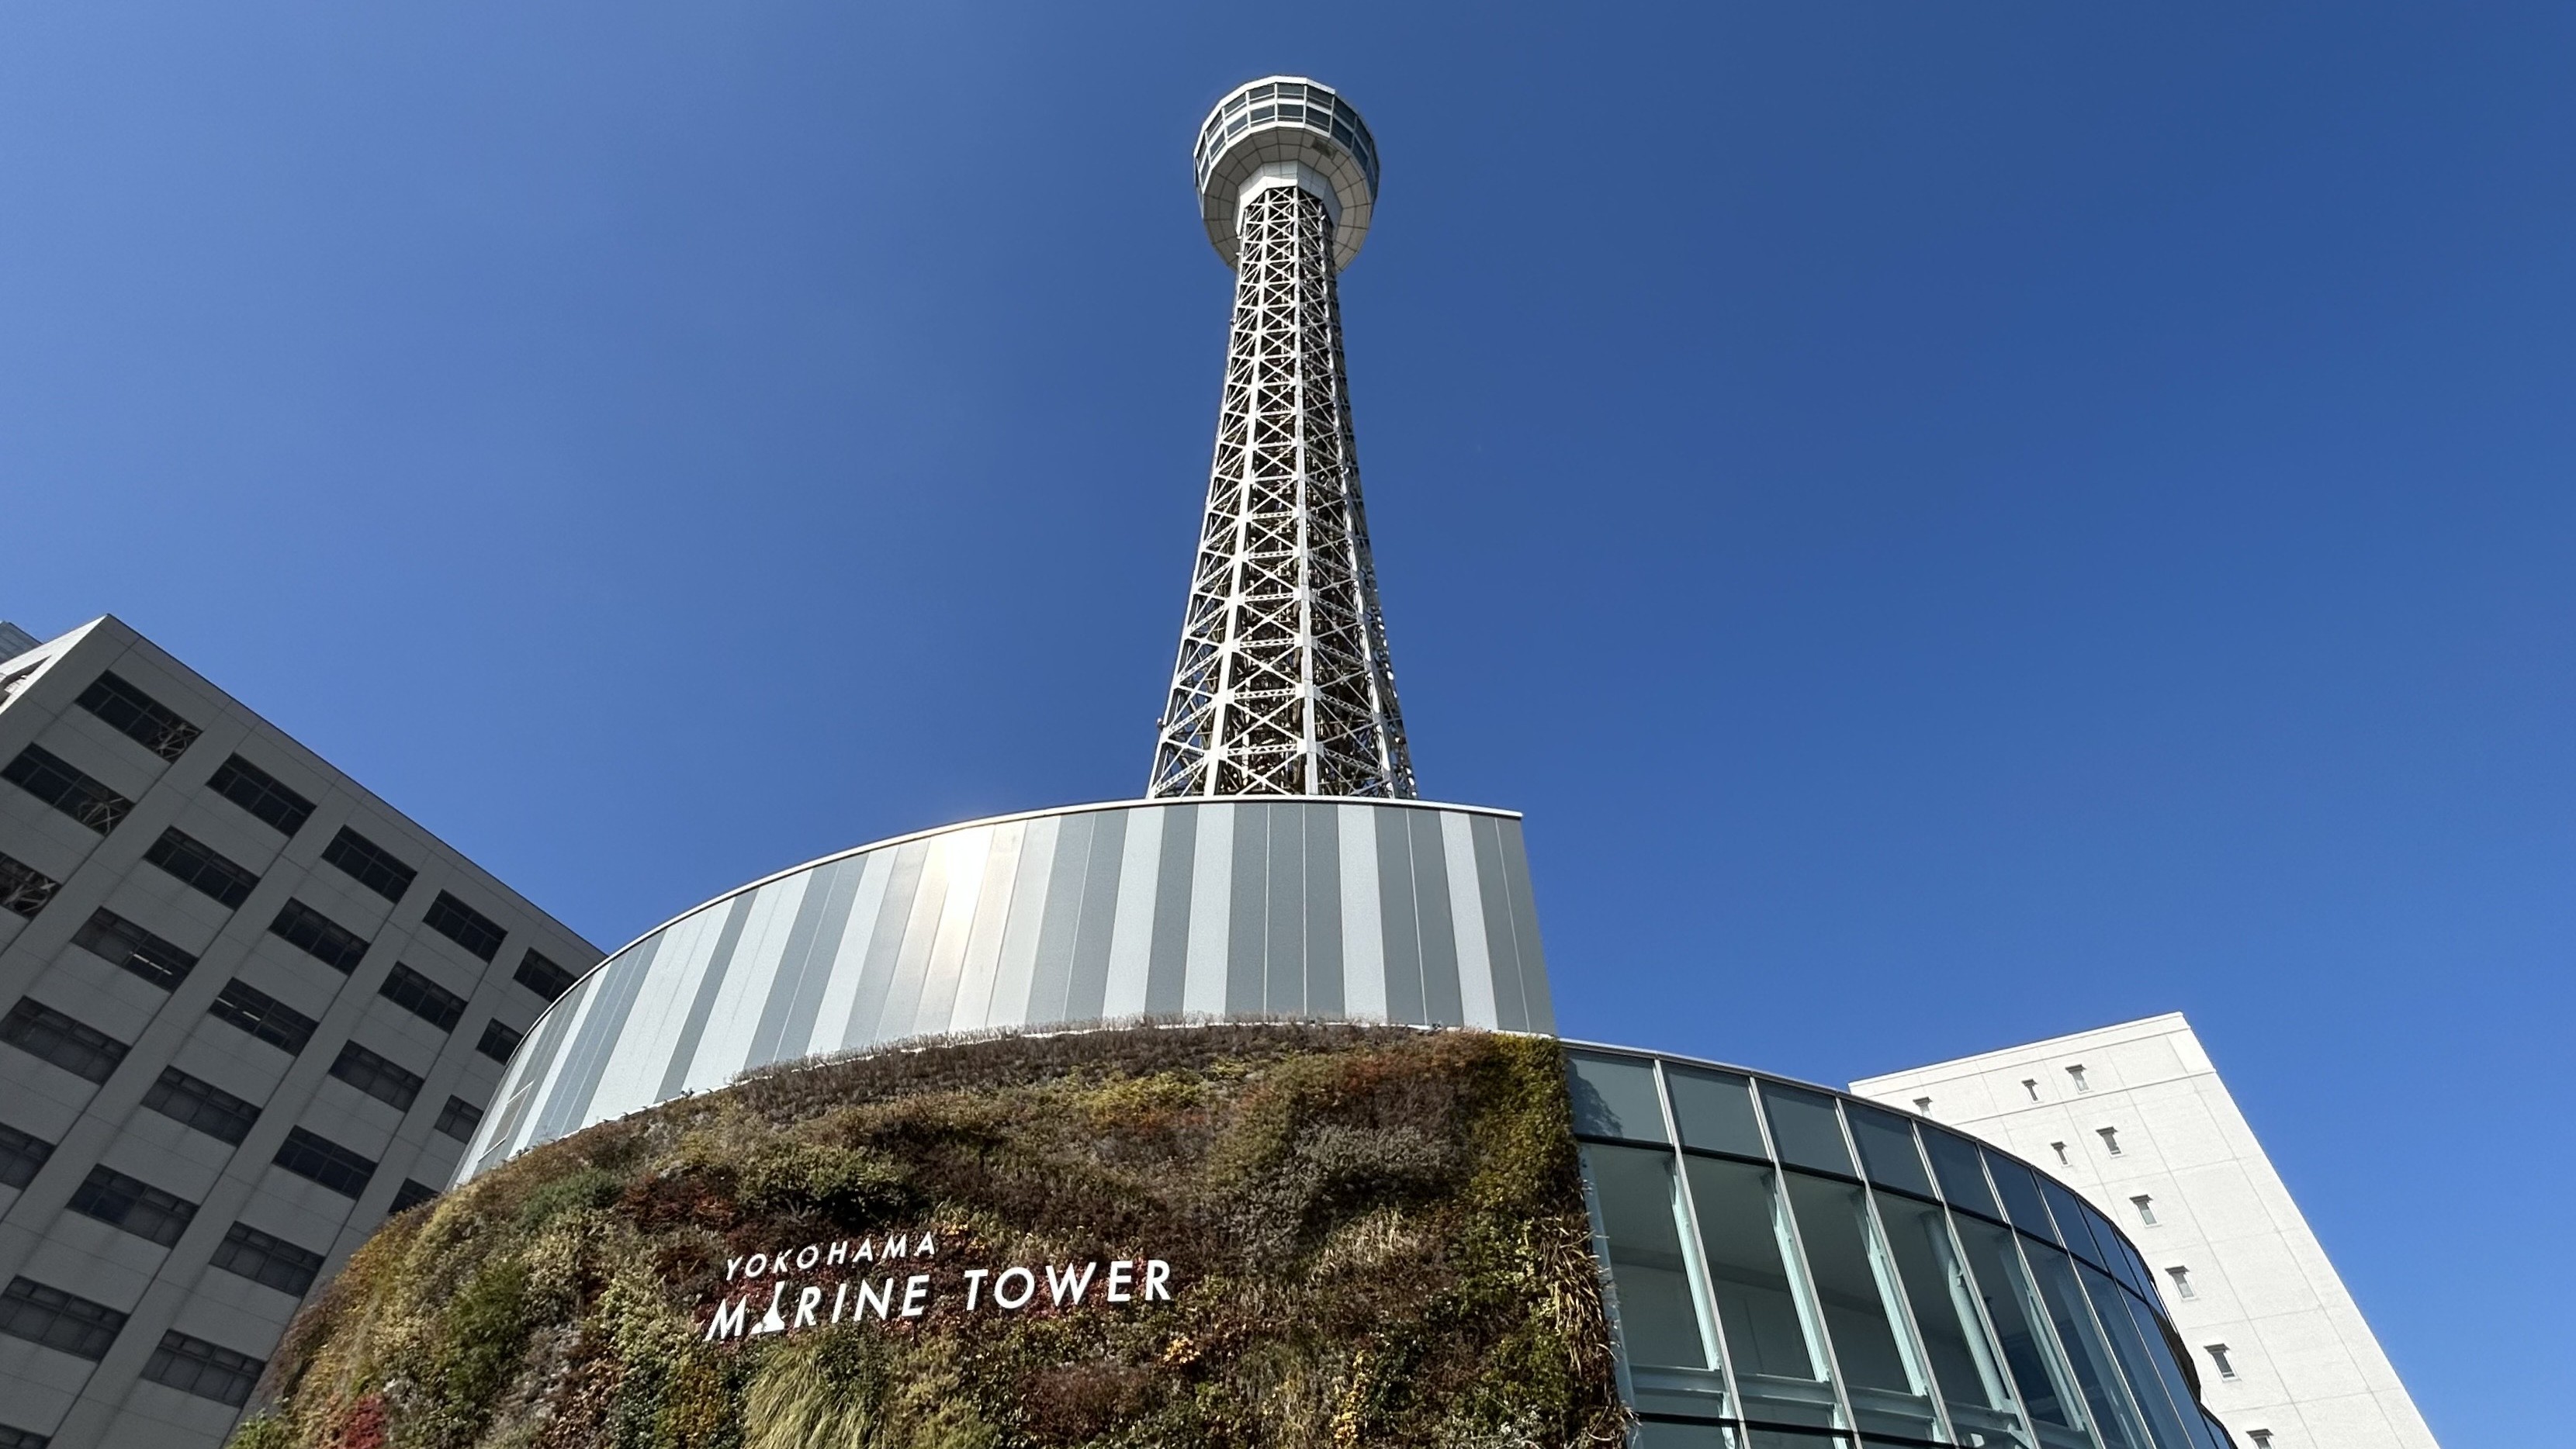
1282, 686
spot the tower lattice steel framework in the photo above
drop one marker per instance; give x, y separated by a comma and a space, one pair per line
1282, 686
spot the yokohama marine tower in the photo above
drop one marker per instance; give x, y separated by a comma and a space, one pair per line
1282, 685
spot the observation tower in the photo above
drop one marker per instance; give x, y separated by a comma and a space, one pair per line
1282, 685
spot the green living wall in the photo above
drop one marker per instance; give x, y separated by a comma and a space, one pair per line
1372, 1236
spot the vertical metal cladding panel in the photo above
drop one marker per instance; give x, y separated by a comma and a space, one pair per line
1258, 908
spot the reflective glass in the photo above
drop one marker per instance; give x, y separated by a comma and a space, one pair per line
1653, 1434
1715, 1110
1615, 1097
1886, 1144
1963, 1360
1864, 1315
1762, 1305
1804, 1128
2074, 1221
2012, 1305
2137, 1364
2095, 1371
1643, 1219
1954, 1162
2019, 1188
2116, 1253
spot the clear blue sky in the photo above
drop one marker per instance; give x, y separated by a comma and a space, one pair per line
1957, 523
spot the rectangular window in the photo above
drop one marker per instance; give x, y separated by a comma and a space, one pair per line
201, 1105
207, 1370
376, 1077
543, 977
268, 1260
499, 1041
464, 925
43, 774
202, 866
134, 1205
2060, 1149
2262, 1438
58, 1320
23, 888
264, 1016
2110, 1139
423, 997
113, 938
459, 1118
2146, 1207
40, 1031
1613, 1097
138, 716
2076, 1074
370, 864
1923, 1105
412, 1195
21, 1153
262, 794
320, 937
2218, 1355
2031, 1085
2182, 1282
310, 1155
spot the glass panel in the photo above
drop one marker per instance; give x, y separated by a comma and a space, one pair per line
1715, 1110
2019, 1188
1887, 1148
2137, 1364
1654, 1435
2073, 1221
1615, 1097
1642, 1219
1770, 1323
2115, 1252
1964, 1362
2012, 1305
2095, 1371
1762, 1438
1864, 1317
1954, 1162
1803, 1127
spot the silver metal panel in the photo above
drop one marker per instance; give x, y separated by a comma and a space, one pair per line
1338, 910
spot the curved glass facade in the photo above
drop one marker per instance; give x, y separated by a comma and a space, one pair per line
1793, 1268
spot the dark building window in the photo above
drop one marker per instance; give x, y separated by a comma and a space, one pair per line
111, 937
543, 976
199, 864
262, 1015
23, 888
374, 867
264, 1259
139, 717
307, 1154
134, 1205
39, 1030
376, 1077
499, 1041
423, 997
202, 1105
413, 1194
262, 794
208, 1370
464, 925
21, 1153
43, 774
457, 1119
30, 1439
58, 1320
321, 938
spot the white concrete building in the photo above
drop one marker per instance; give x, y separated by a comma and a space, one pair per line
2135, 1118
247, 1010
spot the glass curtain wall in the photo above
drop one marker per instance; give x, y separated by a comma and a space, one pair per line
1794, 1269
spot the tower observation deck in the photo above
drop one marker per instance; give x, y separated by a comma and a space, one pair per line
1282, 685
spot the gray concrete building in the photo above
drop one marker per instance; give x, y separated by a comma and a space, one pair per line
247, 1011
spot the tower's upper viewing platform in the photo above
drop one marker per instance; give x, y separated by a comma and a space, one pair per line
1286, 129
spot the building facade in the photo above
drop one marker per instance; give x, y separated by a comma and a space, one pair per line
247, 1010
2135, 1117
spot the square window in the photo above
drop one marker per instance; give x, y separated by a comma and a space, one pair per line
499, 1041
459, 1118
